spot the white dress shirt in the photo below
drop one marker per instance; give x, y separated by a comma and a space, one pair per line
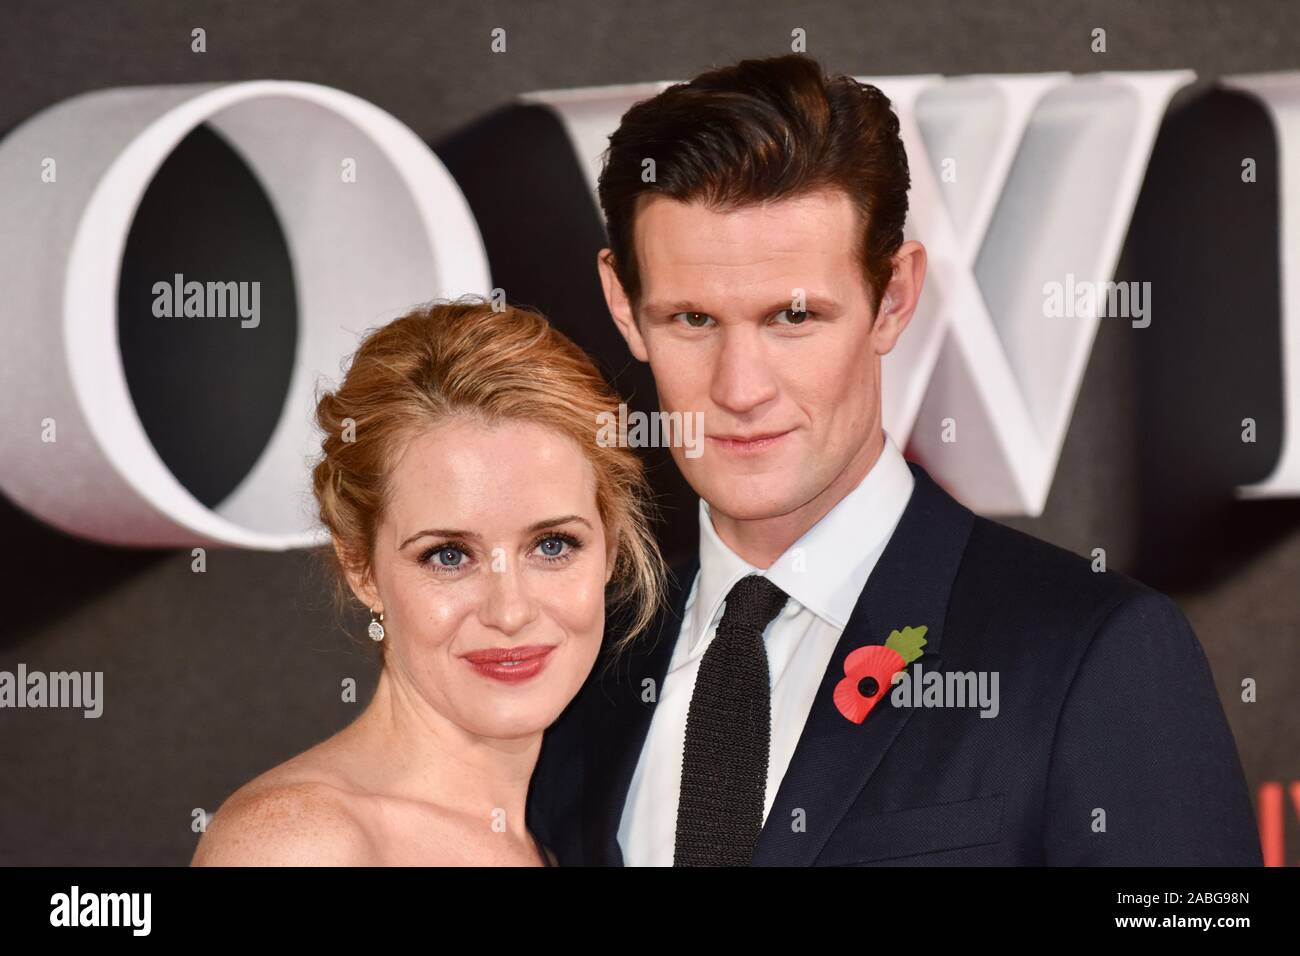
823, 572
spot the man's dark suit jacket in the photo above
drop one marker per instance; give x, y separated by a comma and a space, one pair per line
1106, 704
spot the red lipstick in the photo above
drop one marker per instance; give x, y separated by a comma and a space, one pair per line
510, 665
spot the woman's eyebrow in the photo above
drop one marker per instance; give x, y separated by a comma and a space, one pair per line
457, 533
551, 522
437, 533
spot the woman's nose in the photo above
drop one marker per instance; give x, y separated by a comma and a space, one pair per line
508, 605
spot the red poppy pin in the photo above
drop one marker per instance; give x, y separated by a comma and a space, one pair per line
869, 671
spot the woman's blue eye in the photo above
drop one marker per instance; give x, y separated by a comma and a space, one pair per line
445, 558
449, 557
553, 547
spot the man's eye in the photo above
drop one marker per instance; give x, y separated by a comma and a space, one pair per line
796, 316
695, 320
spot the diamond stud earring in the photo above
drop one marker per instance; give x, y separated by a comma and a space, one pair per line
376, 629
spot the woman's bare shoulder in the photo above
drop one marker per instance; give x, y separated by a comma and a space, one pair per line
297, 814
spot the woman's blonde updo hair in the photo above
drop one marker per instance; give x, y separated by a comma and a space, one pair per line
465, 358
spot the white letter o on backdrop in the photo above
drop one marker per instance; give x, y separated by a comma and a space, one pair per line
362, 252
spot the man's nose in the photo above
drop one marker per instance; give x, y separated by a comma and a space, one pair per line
742, 376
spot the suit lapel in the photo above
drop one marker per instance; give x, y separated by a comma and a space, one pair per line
620, 732
835, 757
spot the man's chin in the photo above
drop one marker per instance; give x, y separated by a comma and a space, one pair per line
744, 498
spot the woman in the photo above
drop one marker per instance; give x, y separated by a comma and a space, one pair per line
474, 512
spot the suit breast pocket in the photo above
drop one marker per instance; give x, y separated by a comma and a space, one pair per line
913, 831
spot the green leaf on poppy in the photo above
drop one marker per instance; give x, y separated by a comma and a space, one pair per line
908, 642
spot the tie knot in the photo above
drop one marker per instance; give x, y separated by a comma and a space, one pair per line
755, 600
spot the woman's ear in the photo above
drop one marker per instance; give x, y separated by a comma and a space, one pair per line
361, 582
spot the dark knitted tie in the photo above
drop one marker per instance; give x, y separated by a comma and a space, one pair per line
728, 734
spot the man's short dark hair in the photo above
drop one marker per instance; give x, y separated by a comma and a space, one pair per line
757, 131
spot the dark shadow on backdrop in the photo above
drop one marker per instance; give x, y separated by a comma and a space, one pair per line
50, 574
1208, 243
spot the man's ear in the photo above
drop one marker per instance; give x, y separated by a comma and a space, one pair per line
361, 584
899, 302
619, 306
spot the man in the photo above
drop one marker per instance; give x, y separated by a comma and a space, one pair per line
809, 695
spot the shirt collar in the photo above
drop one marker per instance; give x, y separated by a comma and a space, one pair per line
827, 568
